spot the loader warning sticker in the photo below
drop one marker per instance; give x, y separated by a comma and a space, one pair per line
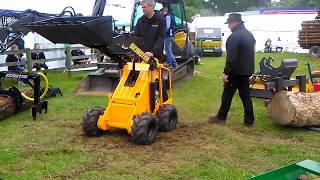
138, 67
139, 52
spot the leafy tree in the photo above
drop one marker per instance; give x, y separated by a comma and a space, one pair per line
220, 7
299, 3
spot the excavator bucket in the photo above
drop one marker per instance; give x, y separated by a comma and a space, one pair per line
94, 32
106, 78
89, 31
100, 82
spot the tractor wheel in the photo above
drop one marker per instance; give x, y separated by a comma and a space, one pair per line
144, 129
218, 53
90, 120
167, 118
315, 51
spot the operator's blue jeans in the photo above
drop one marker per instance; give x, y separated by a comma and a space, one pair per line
168, 48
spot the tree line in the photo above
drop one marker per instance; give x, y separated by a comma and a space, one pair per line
220, 7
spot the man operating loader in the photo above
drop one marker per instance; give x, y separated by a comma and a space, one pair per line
150, 28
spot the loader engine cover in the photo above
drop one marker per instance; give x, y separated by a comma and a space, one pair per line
91, 31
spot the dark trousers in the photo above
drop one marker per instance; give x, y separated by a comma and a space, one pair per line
242, 84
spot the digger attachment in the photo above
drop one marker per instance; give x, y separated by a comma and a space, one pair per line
270, 80
101, 82
93, 32
106, 78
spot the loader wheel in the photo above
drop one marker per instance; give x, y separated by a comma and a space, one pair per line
218, 53
144, 129
90, 120
167, 118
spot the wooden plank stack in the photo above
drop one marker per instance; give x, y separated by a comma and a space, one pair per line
310, 34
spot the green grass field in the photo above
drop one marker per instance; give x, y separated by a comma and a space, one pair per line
54, 147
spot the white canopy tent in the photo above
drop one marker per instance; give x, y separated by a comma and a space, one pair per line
285, 26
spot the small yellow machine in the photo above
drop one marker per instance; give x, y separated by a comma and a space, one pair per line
208, 41
141, 103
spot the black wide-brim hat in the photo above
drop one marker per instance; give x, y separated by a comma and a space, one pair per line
234, 17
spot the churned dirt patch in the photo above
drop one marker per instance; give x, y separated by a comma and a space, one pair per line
114, 148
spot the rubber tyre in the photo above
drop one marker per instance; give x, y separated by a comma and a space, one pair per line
90, 120
167, 116
315, 51
192, 50
189, 51
144, 129
218, 53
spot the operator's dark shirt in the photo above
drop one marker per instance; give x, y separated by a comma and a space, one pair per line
240, 52
151, 31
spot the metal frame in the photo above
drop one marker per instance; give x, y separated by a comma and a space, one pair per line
38, 105
278, 84
292, 171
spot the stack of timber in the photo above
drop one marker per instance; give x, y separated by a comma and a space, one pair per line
295, 109
310, 34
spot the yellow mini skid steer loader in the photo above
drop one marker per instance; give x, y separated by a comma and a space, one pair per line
142, 103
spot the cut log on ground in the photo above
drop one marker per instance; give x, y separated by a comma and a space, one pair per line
7, 105
295, 109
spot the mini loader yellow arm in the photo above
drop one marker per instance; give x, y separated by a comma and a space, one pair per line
142, 103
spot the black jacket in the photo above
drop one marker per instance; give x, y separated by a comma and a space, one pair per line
12, 58
151, 31
240, 52
77, 52
35, 56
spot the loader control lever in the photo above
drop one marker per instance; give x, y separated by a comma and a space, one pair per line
153, 62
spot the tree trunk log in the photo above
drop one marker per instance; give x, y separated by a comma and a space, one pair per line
295, 109
7, 106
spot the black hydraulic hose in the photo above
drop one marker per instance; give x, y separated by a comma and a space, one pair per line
64, 11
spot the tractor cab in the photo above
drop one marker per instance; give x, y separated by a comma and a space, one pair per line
208, 41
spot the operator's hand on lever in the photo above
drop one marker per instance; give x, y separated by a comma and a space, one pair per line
150, 54
224, 78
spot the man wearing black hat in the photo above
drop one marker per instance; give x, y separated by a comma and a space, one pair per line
238, 68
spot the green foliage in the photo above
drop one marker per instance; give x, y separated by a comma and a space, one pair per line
220, 7
299, 3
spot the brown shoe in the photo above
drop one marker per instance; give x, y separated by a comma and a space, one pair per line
216, 120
